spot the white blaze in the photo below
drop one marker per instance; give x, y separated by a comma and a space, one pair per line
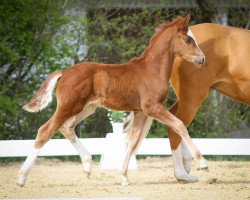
190, 33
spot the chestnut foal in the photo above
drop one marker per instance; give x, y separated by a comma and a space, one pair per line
139, 85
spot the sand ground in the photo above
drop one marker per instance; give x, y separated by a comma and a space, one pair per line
154, 179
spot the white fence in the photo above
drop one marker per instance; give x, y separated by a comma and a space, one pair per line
150, 146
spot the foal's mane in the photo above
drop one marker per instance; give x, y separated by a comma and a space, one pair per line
158, 31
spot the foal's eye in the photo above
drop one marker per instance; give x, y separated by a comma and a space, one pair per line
187, 39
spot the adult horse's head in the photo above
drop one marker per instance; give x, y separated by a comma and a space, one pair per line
183, 42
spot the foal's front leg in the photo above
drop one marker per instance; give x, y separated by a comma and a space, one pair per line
133, 141
158, 112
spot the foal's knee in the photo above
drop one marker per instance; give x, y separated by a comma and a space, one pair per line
41, 140
152, 110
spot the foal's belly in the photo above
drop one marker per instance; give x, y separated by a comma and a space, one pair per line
116, 92
120, 102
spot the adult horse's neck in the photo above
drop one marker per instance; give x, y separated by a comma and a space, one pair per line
158, 56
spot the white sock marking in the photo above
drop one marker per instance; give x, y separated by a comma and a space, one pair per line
185, 151
177, 159
180, 172
187, 157
84, 155
30, 160
27, 165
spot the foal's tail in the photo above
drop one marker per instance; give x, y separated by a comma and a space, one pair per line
43, 96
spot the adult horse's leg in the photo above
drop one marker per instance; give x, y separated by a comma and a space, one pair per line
181, 156
45, 132
68, 130
186, 109
133, 141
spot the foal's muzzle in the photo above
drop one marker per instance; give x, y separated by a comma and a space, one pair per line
199, 59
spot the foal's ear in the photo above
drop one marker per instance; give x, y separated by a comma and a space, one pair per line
187, 19
183, 22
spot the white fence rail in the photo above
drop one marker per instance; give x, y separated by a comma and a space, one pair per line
150, 146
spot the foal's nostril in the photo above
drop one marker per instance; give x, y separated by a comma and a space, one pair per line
200, 59
203, 60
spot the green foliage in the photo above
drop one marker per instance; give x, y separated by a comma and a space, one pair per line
219, 116
116, 36
96, 125
116, 116
27, 53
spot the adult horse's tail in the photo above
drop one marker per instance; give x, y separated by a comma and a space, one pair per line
43, 96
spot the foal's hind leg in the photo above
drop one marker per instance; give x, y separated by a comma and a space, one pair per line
68, 130
45, 132
133, 141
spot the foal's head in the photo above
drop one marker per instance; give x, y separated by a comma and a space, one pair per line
183, 43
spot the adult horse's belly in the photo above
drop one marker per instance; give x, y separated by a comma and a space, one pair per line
236, 80
239, 91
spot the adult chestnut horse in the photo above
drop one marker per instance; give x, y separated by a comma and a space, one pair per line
139, 85
226, 70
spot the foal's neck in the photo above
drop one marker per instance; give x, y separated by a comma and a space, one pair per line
159, 57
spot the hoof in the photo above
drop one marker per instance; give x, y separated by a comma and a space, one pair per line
21, 184
87, 174
87, 167
187, 178
125, 181
212, 181
21, 181
205, 169
203, 164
